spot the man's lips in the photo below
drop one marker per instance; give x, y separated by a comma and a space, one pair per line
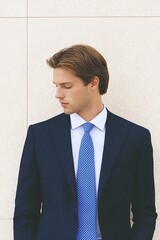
63, 104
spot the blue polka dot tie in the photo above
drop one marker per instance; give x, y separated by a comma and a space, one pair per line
86, 188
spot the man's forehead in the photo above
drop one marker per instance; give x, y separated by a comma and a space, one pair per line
64, 76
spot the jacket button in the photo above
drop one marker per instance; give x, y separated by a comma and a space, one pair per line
76, 217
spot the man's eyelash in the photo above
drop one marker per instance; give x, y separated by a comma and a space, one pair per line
67, 87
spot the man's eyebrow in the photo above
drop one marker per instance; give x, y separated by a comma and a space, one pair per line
63, 83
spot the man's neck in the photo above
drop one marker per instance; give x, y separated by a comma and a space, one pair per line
92, 113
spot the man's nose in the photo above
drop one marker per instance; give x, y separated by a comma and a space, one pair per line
59, 93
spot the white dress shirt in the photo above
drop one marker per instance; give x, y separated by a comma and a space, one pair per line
98, 135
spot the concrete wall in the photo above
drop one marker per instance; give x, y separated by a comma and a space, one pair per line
126, 32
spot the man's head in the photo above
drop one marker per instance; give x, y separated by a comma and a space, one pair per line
85, 62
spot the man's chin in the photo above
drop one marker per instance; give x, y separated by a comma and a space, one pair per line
68, 112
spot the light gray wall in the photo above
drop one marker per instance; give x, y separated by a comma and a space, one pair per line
126, 32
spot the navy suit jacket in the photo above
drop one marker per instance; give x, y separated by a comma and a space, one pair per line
46, 199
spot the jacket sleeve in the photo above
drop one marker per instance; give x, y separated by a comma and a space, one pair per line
28, 196
143, 205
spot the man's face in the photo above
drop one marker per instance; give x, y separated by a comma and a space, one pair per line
73, 94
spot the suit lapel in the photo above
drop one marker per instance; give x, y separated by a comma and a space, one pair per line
62, 141
114, 138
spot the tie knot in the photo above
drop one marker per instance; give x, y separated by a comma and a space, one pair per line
88, 126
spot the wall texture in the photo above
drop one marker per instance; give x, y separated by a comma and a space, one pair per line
126, 32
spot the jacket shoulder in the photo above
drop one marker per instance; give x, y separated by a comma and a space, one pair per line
60, 118
132, 127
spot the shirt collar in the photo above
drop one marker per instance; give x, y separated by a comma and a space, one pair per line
99, 121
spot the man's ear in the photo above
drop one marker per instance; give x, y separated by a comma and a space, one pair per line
95, 83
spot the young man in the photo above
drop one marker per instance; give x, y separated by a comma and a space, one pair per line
82, 172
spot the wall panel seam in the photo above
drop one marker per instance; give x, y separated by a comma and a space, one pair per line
80, 17
27, 50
